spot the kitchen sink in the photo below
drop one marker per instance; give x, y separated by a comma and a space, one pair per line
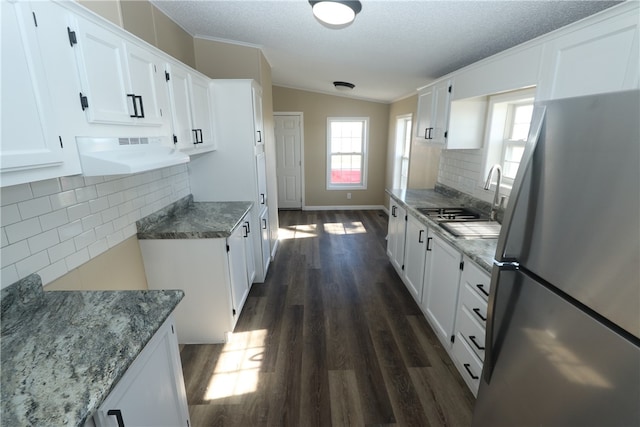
450, 214
472, 229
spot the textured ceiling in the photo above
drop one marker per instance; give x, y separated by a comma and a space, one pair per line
392, 48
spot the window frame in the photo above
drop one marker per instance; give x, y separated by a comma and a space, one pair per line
363, 153
499, 125
402, 154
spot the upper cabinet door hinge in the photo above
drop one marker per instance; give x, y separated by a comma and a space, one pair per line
461, 265
450, 88
167, 76
72, 37
35, 20
84, 102
228, 248
175, 139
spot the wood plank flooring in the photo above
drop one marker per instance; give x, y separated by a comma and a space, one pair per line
332, 338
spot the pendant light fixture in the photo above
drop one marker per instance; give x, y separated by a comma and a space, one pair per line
336, 14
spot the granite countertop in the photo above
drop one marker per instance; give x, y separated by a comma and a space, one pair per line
186, 219
481, 251
62, 352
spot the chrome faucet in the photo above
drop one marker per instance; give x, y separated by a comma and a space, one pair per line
487, 185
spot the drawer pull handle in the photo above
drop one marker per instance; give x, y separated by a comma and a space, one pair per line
473, 377
480, 286
118, 414
477, 312
472, 338
420, 236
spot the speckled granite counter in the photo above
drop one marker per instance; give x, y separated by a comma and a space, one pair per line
62, 352
186, 219
481, 251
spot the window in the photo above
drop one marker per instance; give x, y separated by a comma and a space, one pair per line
509, 122
402, 150
347, 153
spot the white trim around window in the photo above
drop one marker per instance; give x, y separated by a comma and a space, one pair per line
347, 149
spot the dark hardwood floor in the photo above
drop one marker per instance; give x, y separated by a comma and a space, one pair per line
332, 338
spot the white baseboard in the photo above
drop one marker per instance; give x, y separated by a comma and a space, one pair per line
345, 208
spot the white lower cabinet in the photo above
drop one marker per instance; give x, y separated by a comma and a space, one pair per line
214, 276
396, 236
471, 315
415, 252
152, 391
442, 279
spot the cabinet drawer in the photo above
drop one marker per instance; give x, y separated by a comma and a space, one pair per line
468, 364
472, 331
476, 305
476, 278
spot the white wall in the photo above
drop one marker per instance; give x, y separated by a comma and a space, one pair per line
52, 227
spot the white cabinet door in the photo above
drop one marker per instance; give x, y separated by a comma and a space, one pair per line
440, 119
249, 233
425, 109
101, 58
180, 106
201, 111
440, 297
598, 58
396, 236
257, 115
261, 172
433, 113
414, 257
238, 271
29, 137
265, 239
147, 84
151, 392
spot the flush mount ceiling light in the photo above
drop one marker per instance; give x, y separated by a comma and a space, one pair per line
335, 13
344, 86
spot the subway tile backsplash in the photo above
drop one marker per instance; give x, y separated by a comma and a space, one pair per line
51, 227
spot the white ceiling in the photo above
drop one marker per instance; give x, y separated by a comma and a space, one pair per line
392, 48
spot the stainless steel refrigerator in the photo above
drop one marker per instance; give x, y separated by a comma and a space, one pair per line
563, 330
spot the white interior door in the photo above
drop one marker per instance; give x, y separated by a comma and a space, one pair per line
288, 132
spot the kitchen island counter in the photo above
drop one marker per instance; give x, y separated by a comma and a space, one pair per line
481, 251
186, 219
62, 352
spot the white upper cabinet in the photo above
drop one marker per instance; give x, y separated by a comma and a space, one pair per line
191, 110
433, 113
35, 144
593, 58
121, 83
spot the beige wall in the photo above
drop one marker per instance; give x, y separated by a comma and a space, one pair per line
120, 268
228, 61
316, 108
144, 20
108, 9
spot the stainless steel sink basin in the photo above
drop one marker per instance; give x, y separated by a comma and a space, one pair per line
450, 214
473, 229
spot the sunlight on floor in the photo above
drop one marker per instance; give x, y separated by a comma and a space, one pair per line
354, 227
297, 231
238, 368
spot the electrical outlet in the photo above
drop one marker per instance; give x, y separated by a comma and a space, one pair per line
349, 196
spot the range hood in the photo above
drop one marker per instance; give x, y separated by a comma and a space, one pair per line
116, 156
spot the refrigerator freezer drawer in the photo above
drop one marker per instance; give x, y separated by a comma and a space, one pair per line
468, 364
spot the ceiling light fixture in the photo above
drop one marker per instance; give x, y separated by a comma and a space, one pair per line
344, 86
335, 13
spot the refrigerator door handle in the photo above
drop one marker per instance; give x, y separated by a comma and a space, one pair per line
537, 121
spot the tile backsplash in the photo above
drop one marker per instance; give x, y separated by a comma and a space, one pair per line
51, 227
